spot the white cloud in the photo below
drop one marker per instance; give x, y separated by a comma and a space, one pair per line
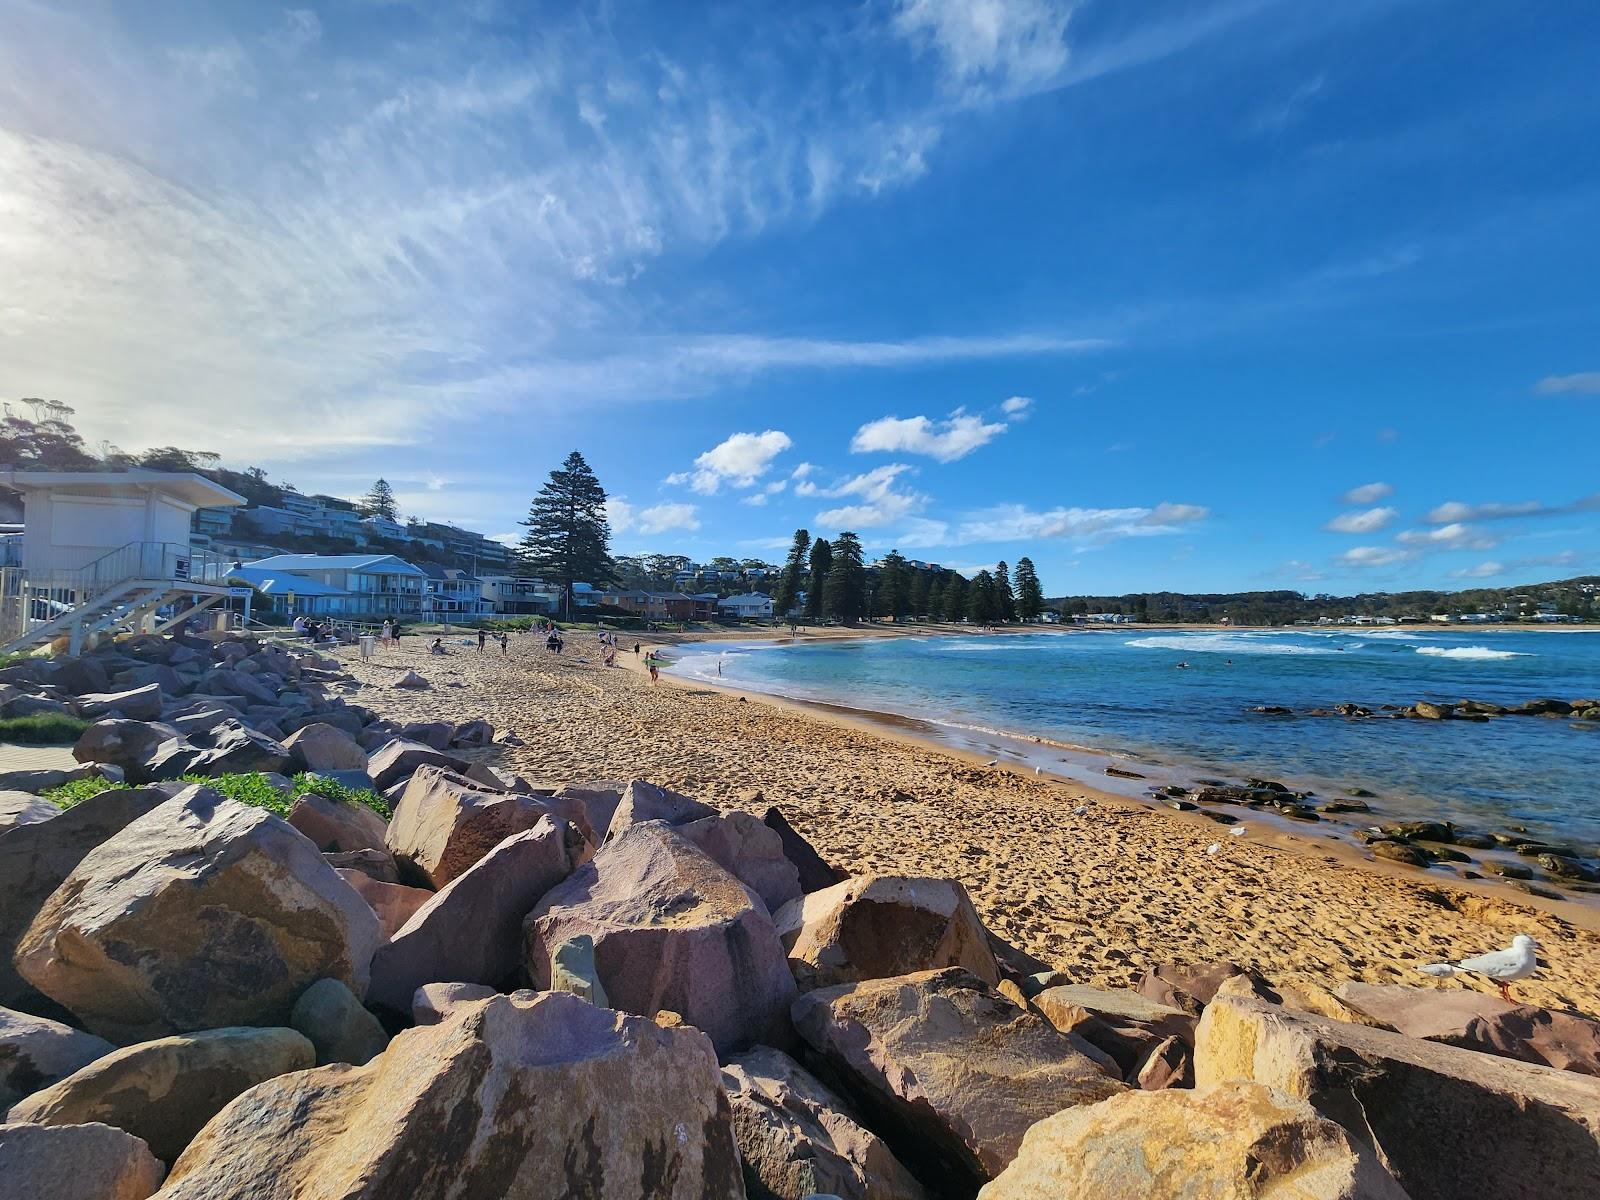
1368, 493
1004, 46
1455, 510
1016, 407
945, 441
773, 489
1455, 536
1375, 556
660, 518
1303, 572
1085, 526
619, 513
1584, 383
802, 470
881, 502
1484, 570
755, 500
1367, 521
740, 459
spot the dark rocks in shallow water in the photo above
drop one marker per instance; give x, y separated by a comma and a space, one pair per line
1475, 841
1433, 712
1180, 805
1530, 849
1402, 852
1346, 806
1448, 854
1273, 710
1270, 785
1362, 792
1542, 708
1508, 870
1563, 867
1221, 818
1427, 831
1299, 812
1123, 773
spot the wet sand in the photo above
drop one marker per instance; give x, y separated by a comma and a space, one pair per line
1102, 895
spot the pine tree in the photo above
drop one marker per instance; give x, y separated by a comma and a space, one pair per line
791, 582
379, 502
568, 539
1030, 596
1005, 600
845, 592
981, 599
894, 600
820, 564
953, 601
921, 601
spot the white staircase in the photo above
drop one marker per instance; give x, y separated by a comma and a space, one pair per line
125, 588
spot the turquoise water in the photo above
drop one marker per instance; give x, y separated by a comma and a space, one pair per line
1121, 692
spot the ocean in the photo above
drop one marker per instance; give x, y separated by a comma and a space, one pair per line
1121, 692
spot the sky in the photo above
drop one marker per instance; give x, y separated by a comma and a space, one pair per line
1196, 295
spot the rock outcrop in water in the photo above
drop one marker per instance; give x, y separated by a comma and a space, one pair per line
191, 985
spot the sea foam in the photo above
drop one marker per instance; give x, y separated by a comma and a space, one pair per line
1470, 652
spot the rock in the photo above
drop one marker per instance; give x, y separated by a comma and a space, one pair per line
572, 970
1186, 986
137, 704
336, 826
1300, 994
434, 1002
411, 680
1447, 1122
1236, 1141
643, 801
876, 926
471, 931
140, 748
751, 852
397, 759
672, 930
1542, 708
200, 914
1508, 870
1170, 1064
815, 873
392, 903
106, 1164
238, 683
430, 733
164, 1091
1126, 1025
516, 1097
599, 801
334, 1022
321, 747
1477, 1021
443, 824
1402, 852
1433, 712
375, 864
34, 859
1425, 831
954, 1073
238, 750
797, 1139
80, 676
24, 808
35, 1052
473, 734
1564, 867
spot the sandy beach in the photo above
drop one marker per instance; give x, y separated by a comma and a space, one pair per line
1102, 896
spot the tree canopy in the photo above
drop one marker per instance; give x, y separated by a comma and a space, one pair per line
792, 581
569, 538
821, 562
845, 590
380, 502
1030, 596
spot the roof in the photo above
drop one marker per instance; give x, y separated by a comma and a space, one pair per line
281, 583
184, 485
336, 562
747, 598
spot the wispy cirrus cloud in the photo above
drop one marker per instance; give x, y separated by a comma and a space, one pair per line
1455, 536
1369, 520
1083, 526
1583, 383
1367, 493
1455, 511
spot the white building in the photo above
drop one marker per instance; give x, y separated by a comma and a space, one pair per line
752, 605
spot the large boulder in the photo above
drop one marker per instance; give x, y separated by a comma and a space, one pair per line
1189, 986
202, 913
878, 926
521, 1097
136, 704
238, 750
435, 1002
1125, 1024
672, 930
321, 747
1235, 1141
24, 808
443, 824
1478, 1021
815, 872
396, 760
953, 1071
75, 1162
245, 684
334, 1022
643, 801
80, 676
1447, 1122
34, 859
36, 1052
336, 826
144, 750
164, 1091
749, 850
393, 903
599, 800
471, 930
797, 1139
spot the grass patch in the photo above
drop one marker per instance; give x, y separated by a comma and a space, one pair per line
42, 729
252, 788
78, 791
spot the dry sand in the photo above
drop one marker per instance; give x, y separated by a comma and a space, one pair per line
1102, 896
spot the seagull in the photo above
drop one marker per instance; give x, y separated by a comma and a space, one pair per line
1503, 966
1080, 810
1214, 848
1239, 832
993, 762
1038, 770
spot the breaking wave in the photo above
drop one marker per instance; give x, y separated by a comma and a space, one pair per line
1225, 643
1470, 652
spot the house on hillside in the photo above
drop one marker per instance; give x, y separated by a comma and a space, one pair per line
286, 594
750, 606
518, 595
378, 585
655, 606
451, 594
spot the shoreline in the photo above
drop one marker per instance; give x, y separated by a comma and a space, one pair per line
1096, 884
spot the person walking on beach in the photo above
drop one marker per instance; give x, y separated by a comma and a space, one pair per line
385, 634
655, 671
505, 643
483, 636
636, 649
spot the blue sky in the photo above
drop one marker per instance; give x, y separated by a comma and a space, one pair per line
1204, 296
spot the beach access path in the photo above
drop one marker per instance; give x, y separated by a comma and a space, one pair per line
1101, 896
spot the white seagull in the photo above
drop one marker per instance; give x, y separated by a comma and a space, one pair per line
1503, 966
1214, 848
1080, 810
1238, 831
993, 762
